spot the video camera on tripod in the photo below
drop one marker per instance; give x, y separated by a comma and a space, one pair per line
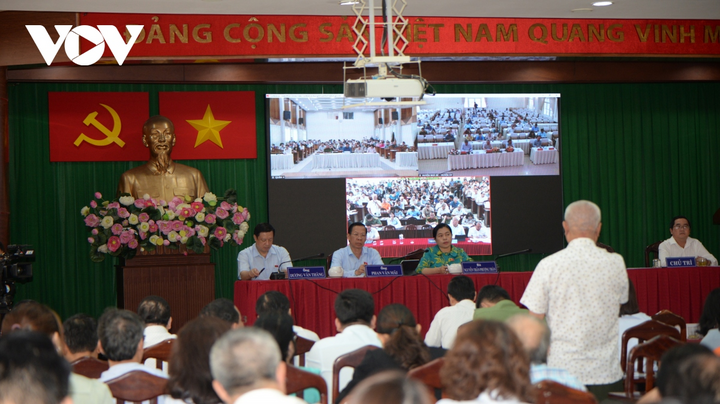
15, 266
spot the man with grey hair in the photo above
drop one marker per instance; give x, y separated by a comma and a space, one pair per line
579, 290
246, 368
535, 337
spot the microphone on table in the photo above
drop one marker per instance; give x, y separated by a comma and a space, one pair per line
408, 255
280, 275
525, 251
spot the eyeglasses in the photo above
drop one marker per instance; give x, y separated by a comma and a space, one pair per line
682, 226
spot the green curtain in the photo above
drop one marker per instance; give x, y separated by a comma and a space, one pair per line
642, 152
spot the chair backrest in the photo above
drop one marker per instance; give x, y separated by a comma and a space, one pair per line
429, 373
415, 255
350, 359
160, 351
652, 248
298, 380
650, 352
302, 346
89, 367
670, 318
329, 262
550, 392
388, 228
137, 386
411, 227
644, 332
605, 246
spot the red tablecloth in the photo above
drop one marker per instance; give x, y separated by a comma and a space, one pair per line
399, 248
681, 290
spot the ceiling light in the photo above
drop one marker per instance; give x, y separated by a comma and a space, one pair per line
602, 3
349, 2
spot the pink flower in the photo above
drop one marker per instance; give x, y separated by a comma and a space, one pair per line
166, 242
126, 236
177, 225
113, 243
150, 203
98, 195
117, 228
122, 212
153, 227
143, 217
143, 235
139, 203
91, 240
174, 203
198, 206
92, 220
220, 232
187, 212
190, 232
114, 205
221, 213
94, 232
226, 206
202, 240
165, 227
133, 243
246, 214
237, 238
238, 218
125, 223
93, 204
210, 219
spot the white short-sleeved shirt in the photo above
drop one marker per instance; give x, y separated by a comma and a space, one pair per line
277, 258
345, 258
443, 329
580, 290
693, 248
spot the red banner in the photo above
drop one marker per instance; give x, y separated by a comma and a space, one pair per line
211, 124
202, 36
97, 126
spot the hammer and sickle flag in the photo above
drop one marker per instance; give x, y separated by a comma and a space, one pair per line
96, 126
211, 124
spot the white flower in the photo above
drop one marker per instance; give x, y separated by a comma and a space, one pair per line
126, 200
103, 249
146, 197
85, 211
133, 219
227, 237
200, 217
183, 240
144, 226
170, 214
173, 236
107, 222
204, 231
209, 197
244, 227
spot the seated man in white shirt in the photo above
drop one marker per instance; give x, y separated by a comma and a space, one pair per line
466, 147
355, 321
155, 313
479, 233
681, 244
456, 227
355, 257
120, 333
246, 368
537, 142
443, 329
263, 258
224, 309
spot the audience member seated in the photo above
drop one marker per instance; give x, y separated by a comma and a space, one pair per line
697, 381
223, 309
32, 371
390, 387
456, 228
403, 348
190, 378
394, 221
276, 302
443, 328
535, 337
487, 364
121, 341
493, 303
709, 320
682, 245
80, 337
479, 233
34, 316
355, 321
247, 369
466, 147
155, 313
372, 234
630, 316
354, 257
437, 258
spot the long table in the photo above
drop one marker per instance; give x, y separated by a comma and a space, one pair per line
399, 248
544, 156
480, 159
407, 159
345, 160
281, 161
681, 290
434, 150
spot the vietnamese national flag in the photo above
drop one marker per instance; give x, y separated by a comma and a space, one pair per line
211, 124
97, 126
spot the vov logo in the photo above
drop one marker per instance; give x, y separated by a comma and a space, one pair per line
103, 34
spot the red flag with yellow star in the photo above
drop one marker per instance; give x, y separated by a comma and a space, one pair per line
211, 124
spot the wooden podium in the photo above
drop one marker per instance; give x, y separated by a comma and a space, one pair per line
187, 282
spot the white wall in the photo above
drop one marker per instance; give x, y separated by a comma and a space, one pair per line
502, 103
324, 126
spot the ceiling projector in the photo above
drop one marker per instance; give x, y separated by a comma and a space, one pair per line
384, 87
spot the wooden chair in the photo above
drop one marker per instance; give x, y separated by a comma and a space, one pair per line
298, 380
605, 246
350, 359
302, 346
650, 353
652, 248
644, 332
137, 386
389, 228
411, 227
160, 352
429, 374
550, 392
670, 318
89, 367
415, 255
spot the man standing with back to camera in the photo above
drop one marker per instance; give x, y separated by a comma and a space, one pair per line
579, 290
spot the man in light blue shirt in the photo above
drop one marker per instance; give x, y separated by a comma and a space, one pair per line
355, 256
263, 258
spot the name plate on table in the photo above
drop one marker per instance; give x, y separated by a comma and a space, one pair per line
306, 272
482, 267
374, 271
680, 261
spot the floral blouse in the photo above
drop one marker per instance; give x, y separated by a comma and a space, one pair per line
436, 258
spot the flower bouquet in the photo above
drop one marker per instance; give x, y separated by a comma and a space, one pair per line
122, 226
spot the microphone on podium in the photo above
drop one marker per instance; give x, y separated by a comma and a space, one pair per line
525, 251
